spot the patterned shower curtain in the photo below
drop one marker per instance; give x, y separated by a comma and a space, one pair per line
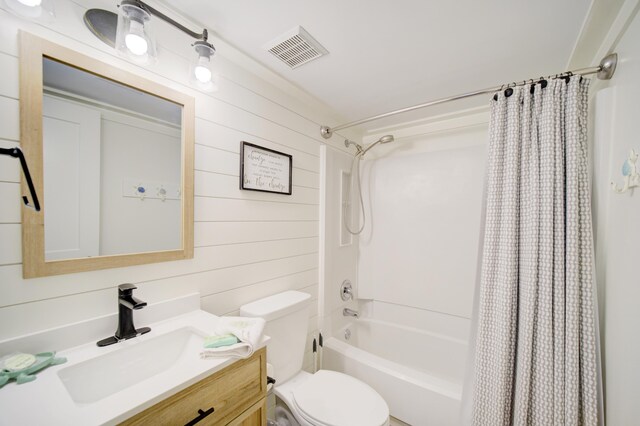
535, 353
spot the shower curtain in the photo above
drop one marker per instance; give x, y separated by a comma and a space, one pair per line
536, 360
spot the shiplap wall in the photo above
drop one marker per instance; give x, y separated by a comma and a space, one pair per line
248, 245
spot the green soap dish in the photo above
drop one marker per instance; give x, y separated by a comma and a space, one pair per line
25, 375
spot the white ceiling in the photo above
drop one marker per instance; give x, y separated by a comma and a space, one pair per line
387, 54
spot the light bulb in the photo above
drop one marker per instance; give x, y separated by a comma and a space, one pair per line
202, 71
31, 3
135, 40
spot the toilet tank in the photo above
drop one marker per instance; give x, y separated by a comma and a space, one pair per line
287, 317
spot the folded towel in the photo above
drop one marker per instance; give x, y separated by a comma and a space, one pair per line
212, 342
247, 330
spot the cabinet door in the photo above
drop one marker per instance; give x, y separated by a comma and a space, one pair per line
254, 416
219, 399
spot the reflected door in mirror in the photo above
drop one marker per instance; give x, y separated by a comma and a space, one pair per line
112, 167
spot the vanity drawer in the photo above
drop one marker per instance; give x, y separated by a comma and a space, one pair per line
231, 392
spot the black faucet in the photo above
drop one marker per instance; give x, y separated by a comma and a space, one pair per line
126, 305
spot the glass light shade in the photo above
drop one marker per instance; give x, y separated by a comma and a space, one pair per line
134, 36
35, 10
202, 70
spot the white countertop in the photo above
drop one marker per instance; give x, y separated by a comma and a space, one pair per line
47, 401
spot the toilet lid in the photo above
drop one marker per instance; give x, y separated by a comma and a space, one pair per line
335, 399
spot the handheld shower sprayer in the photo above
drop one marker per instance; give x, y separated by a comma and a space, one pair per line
355, 170
384, 139
360, 151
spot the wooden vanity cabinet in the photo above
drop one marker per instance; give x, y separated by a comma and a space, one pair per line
235, 395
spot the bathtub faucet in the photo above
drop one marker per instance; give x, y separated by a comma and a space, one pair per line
350, 313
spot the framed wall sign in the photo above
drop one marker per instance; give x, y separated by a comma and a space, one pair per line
263, 169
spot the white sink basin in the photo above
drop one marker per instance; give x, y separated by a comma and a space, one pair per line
129, 363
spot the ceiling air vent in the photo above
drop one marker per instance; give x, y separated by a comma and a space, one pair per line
296, 47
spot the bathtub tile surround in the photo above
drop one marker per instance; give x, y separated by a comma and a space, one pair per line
425, 201
406, 299
423, 320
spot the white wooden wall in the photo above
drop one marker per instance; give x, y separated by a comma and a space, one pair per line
247, 245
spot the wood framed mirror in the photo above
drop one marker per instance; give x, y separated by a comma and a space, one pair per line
111, 155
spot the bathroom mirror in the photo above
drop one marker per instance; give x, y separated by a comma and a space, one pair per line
112, 161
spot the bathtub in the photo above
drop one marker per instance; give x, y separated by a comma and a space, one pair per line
418, 373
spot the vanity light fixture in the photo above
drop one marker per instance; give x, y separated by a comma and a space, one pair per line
133, 37
36, 10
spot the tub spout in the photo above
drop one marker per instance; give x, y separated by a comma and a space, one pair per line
350, 313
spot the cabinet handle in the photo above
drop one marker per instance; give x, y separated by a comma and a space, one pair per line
201, 415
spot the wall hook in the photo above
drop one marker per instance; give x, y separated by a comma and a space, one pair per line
162, 193
17, 153
141, 191
630, 173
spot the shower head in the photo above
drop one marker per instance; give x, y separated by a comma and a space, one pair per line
384, 139
348, 143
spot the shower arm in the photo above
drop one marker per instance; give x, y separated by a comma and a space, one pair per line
604, 71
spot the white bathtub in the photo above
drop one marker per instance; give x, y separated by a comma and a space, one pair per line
419, 374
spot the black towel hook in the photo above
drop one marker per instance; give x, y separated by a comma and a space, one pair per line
17, 153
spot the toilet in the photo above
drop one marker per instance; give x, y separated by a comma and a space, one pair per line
326, 398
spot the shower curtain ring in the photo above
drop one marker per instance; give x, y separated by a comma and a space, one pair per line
509, 91
495, 97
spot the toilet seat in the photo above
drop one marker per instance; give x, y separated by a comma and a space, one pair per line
329, 398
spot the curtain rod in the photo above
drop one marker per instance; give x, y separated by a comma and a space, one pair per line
604, 71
